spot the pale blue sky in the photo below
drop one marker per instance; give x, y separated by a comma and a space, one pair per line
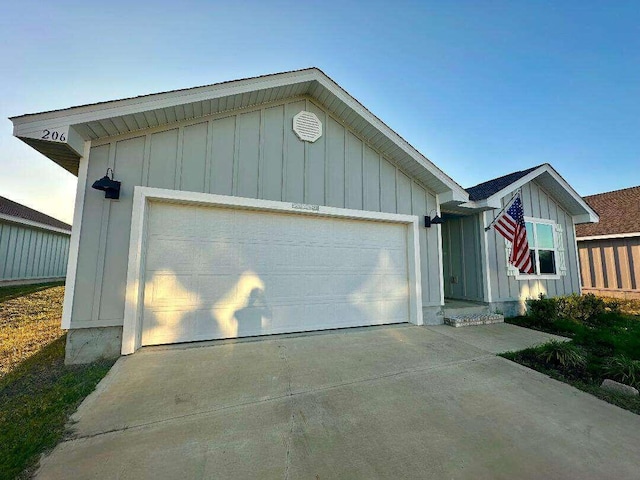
481, 88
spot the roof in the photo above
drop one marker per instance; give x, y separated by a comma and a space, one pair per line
488, 195
486, 189
619, 213
10, 209
76, 125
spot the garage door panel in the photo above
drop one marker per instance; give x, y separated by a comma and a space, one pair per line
170, 289
231, 273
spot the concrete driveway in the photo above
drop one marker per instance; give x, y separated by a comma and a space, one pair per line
382, 402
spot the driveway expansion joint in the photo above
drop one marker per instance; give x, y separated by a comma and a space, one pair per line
290, 395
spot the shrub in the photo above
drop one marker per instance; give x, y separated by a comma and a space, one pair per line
562, 354
585, 309
543, 310
613, 305
623, 369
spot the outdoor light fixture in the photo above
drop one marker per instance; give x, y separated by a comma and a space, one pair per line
109, 186
436, 220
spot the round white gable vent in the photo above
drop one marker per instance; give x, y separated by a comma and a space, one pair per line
307, 126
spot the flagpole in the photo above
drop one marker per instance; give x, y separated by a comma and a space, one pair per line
516, 193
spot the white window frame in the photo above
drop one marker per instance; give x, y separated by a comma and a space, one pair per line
558, 252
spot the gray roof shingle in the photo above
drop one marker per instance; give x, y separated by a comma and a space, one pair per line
14, 209
486, 189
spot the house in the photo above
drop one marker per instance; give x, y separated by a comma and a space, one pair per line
272, 204
610, 250
34, 247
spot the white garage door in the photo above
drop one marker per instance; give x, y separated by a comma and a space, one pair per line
214, 272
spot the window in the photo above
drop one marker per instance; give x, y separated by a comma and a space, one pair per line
542, 247
546, 250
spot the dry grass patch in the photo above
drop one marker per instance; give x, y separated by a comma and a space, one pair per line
27, 324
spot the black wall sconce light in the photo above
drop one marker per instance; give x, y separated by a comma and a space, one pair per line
109, 186
436, 220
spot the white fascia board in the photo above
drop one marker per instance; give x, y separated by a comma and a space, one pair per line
588, 211
61, 133
30, 223
35, 124
454, 196
481, 205
591, 217
606, 237
116, 108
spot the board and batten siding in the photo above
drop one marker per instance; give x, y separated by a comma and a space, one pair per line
611, 266
537, 204
28, 253
249, 153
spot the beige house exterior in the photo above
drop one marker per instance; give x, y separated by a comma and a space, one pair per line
610, 250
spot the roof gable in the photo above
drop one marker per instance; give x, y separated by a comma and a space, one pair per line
10, 210
486, 189
90, 122
619, 213
488, 195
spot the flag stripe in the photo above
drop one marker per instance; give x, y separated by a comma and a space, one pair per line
511, 226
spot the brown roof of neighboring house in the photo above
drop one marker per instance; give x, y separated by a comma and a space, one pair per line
619, 213
14, 209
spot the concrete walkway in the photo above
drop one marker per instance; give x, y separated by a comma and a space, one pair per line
396, 402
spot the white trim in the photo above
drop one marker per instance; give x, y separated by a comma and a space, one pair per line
440, 252
606, 237
98, 323
31, 223
542, 276
484, 245
74, 242
578, 266
132, 326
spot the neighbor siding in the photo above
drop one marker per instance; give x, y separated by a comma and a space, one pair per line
537, 204
252, 153
28, 253
611, 267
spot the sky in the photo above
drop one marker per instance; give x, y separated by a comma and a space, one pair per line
481, 88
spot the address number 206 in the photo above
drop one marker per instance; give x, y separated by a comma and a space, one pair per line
53, 135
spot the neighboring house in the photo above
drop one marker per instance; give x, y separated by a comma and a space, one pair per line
34, 247
610, 250
268, 205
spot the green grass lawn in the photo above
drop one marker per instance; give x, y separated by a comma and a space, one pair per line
587, 361
37, 391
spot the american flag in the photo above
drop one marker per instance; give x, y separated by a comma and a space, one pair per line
511, 226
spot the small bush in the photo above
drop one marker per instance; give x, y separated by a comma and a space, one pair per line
623, 369
562, 354
543, 310
613, 305
585, 309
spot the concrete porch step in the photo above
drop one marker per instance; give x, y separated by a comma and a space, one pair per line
468, 309
469, 319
